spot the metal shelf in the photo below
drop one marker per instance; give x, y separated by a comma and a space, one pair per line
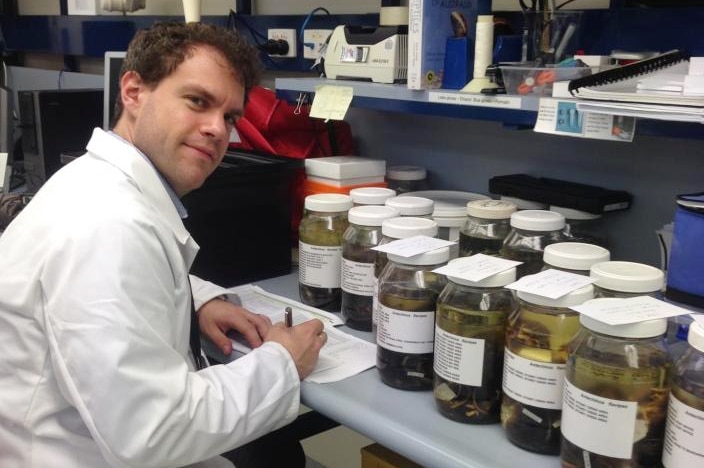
398, 98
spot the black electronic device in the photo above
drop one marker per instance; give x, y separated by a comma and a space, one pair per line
241, 219
54, 122
582, 197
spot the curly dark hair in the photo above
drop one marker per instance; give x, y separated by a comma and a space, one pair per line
154, 53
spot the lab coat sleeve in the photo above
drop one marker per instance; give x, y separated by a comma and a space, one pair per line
203, 291
116, 342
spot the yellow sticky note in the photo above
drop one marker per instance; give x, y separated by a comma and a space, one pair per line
331, 102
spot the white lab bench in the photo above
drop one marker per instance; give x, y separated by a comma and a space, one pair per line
407, 422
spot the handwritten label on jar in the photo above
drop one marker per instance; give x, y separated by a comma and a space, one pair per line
357, 278
683, 437
598, 425
458, 359
319, 265
405, 332
533, 383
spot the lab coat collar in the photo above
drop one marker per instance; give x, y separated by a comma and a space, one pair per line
126, 157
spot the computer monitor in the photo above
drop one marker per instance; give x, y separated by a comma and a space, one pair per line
111, 76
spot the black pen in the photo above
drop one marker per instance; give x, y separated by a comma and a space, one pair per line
288, 317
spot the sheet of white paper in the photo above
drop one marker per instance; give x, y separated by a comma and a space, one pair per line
342, 356
477, 267
551, 283
262, 302
413, 245
630, 310
331, 102
699, 318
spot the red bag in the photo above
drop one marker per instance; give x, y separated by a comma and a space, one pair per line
273, 126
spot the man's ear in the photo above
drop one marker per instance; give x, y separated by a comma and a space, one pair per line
131, 89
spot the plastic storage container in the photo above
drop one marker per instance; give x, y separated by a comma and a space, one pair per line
685, 418
408, 291
574, 257
534, 368
371, 195
470, 328
626, 279
418, 207
486, 228
615, 394
407, 178
357, 282
320, 234
391, 230
582, 226
531, 232
524, 204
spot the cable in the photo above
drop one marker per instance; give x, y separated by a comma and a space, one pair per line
567, 2
305, 23
233, 17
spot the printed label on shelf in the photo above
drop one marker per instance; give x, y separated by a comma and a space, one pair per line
683, 436
458, 359
598, 425
358, 278
559, 117
405, 332
319, 266
533, 383
480, 100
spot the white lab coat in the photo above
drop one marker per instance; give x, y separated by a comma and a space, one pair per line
95, 367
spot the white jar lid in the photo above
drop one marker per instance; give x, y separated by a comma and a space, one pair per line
433, 257
576, 297
627, 277
524, 204
371, 195
403, 227
490, 209
448, 203
574, 255
371, 215
406, 173
570, 213
497, 280
328, 202
646, 329
695, 338
537, 220
411, 206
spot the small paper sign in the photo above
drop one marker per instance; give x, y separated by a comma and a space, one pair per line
331, 102
413, 246
477, 267
630, 310
551, 283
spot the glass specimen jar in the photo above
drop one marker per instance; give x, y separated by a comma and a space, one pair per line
408, 292
531, 232
534, 368
582, 226
320, 234
574, 257
391, 230
685, 418
487, 225
407, 178
615, 394
470, 329
418, 207
626, 279
371, 195
357, 282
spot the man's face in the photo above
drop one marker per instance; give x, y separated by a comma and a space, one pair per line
183, 124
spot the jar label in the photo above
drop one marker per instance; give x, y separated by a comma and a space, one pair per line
375, 302
683, 436
458, 359
319, 265
533, 383
597, 424
405, 332
357, 278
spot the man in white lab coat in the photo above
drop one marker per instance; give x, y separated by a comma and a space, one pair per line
95, 297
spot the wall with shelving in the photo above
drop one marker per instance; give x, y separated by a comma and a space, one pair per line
465, 154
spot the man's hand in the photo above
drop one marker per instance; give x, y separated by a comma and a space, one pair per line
303, 342
217, 316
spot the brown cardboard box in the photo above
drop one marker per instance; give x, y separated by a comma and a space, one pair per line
378, 456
